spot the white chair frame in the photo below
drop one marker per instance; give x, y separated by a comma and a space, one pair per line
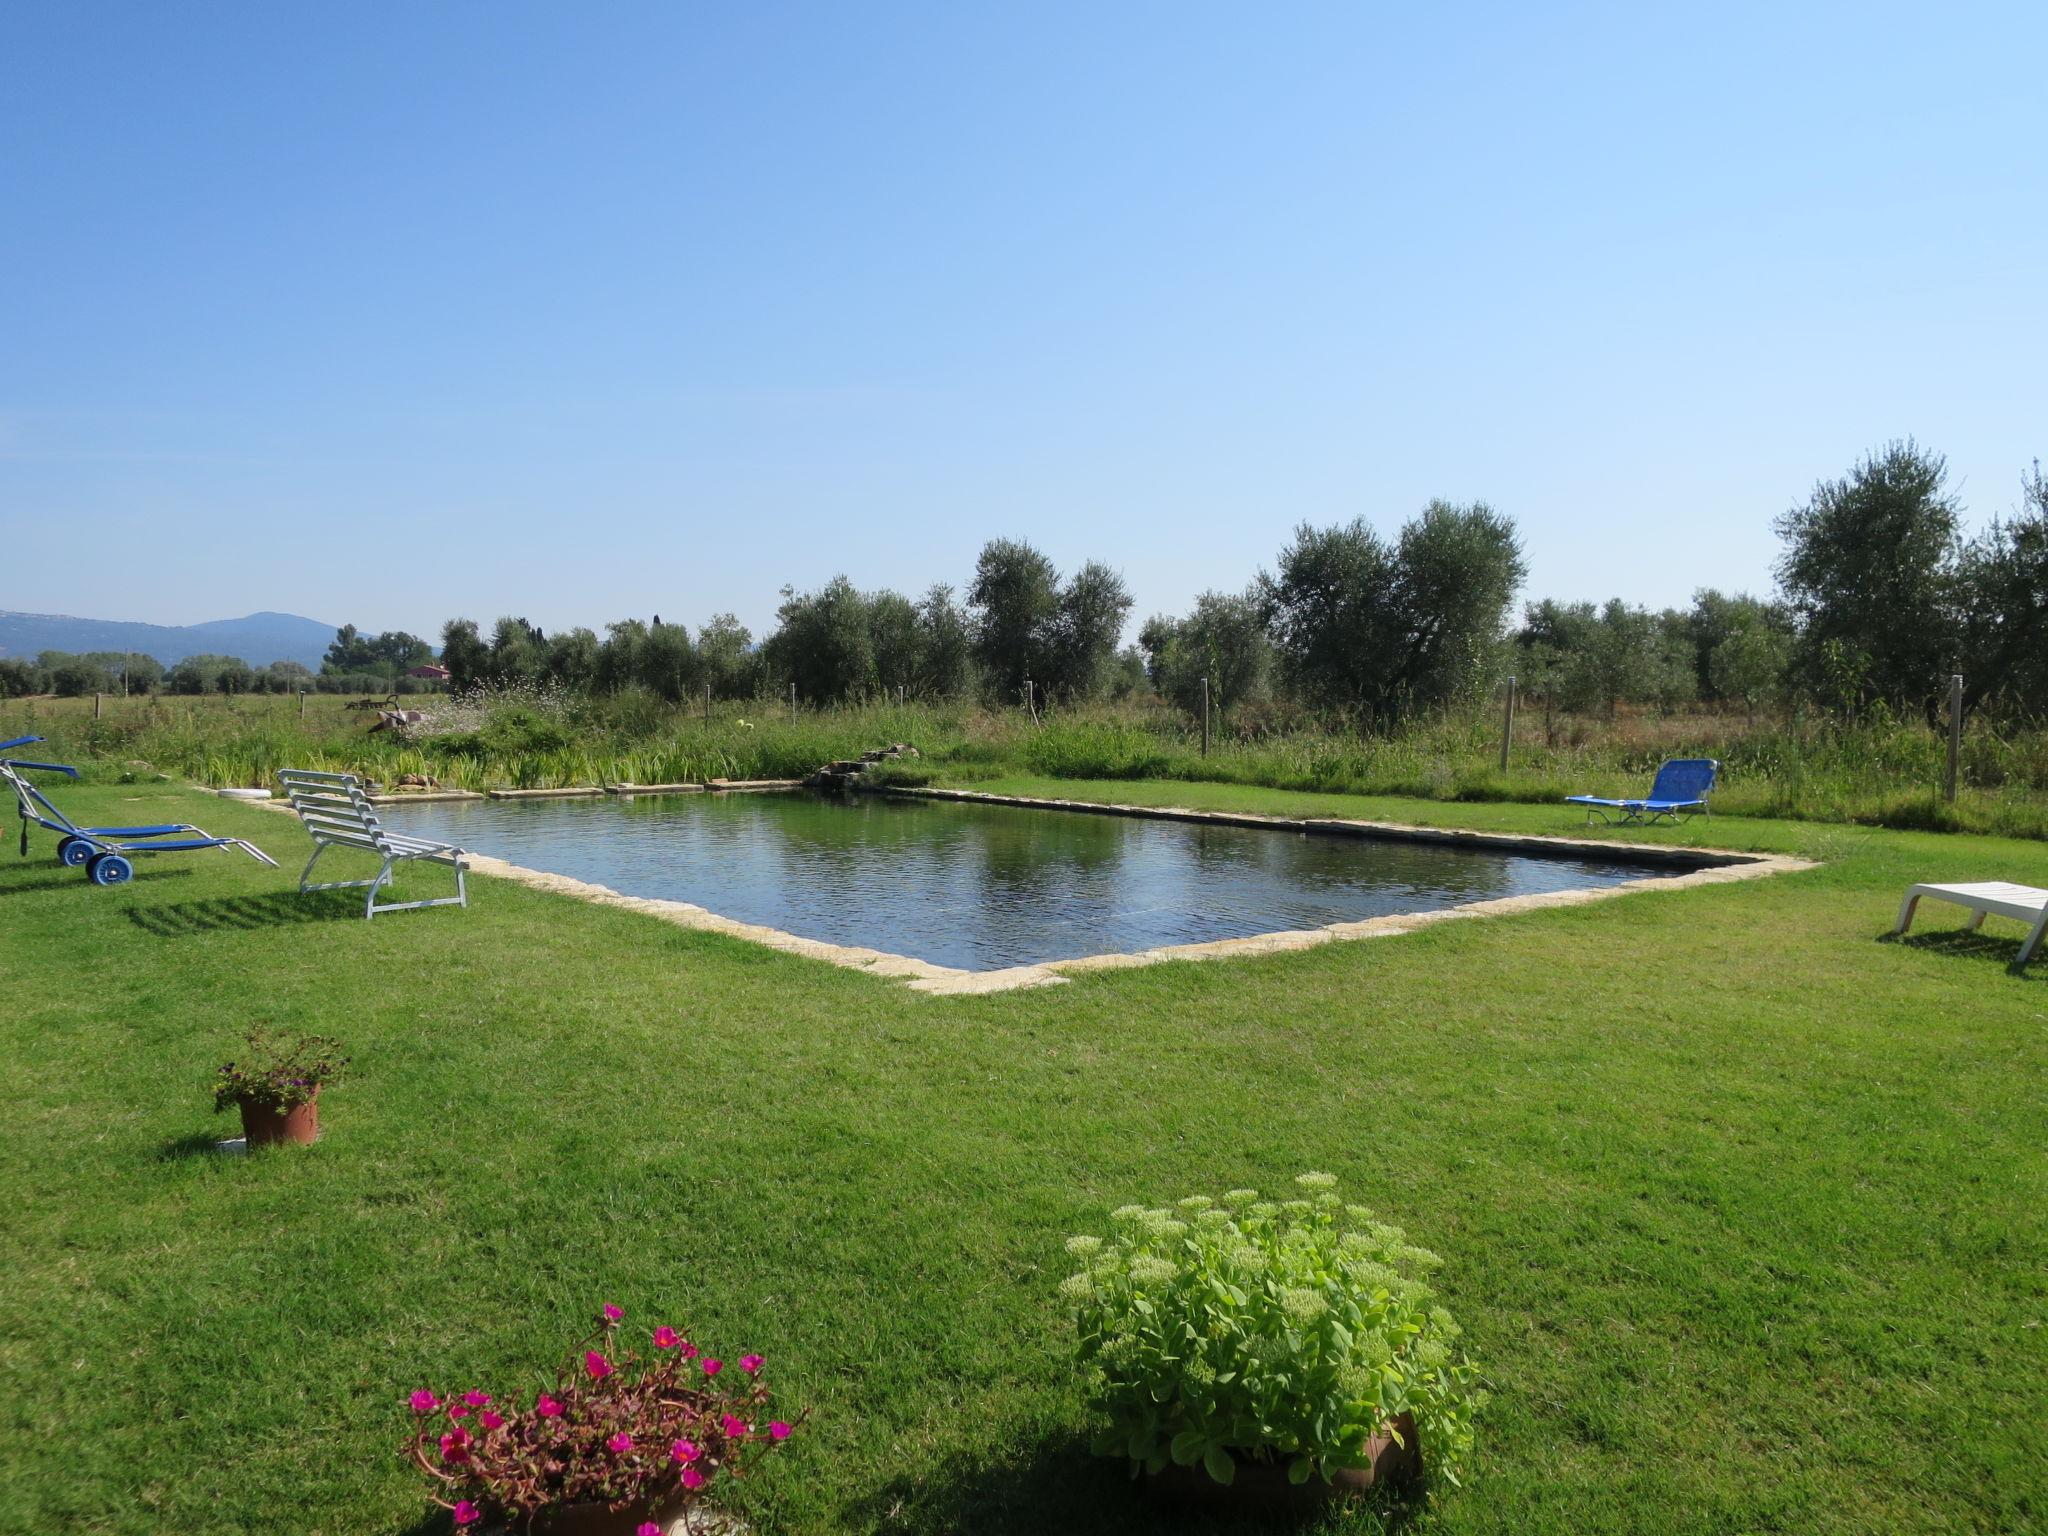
1987, 898
338, 814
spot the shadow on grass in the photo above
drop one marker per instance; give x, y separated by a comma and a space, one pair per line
280, 909
60, 877
1056, 1485
1962, 943
198, 1144
438, 1523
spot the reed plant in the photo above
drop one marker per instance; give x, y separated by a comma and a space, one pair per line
1876, 770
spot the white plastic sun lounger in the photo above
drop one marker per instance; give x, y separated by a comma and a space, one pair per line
339, 815
1988, 898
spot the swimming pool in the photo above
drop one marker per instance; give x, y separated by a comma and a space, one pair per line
985, 887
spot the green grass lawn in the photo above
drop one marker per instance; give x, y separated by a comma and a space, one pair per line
1742, 1207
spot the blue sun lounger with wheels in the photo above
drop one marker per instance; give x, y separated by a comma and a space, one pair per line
1679, 792
106, 852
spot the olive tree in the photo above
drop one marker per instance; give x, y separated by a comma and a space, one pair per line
1222, 639
1578, 657
1015, 598
1029, 624
2003, 576
945, 646
726, 655
1870, 570
1374, 630
1751, 663
823, 643
1086, 629
464, 654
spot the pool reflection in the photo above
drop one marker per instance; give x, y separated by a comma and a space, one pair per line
984, 886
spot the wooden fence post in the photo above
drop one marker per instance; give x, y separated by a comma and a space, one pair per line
1507, 725
1955, 733
95, 706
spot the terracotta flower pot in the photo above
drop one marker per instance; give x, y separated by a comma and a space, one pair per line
1261, 1487
263, 1126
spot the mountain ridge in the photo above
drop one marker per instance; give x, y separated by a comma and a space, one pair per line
257, 638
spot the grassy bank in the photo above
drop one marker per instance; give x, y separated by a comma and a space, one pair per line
1741, 1206
1881, 774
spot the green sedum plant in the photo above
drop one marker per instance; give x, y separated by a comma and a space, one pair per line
1258, 1330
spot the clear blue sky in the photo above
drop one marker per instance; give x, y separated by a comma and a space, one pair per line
588, 311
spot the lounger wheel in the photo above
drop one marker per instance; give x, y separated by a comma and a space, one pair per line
74, 851
109, 869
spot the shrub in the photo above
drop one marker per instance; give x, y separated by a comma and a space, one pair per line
615, 1429
1249, 1329
278, 1072
515, 729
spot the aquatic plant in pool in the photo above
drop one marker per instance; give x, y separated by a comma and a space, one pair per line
1234, 1331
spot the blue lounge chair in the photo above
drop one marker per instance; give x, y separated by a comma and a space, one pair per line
104, 851
1680, 792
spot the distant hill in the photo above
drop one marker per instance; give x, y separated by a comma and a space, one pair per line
259, 639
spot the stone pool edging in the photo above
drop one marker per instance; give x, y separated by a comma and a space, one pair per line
1703, 866
686, 914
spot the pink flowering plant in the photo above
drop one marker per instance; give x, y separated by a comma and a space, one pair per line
278, 1072
650, 1432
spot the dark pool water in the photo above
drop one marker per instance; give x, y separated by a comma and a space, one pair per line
983, 886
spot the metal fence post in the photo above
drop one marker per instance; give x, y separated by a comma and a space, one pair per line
1205, 714
792, 699
1955, 733
1507, 725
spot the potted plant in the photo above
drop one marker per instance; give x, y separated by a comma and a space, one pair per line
1256, 1351
277, 1085
622, 1444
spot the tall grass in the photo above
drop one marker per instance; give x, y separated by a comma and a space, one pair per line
1884, 774
1878, 772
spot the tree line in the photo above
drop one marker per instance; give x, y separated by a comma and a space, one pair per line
1020, 622
1880, 596
1348, 622
71, 674
1881, 599
354, 663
